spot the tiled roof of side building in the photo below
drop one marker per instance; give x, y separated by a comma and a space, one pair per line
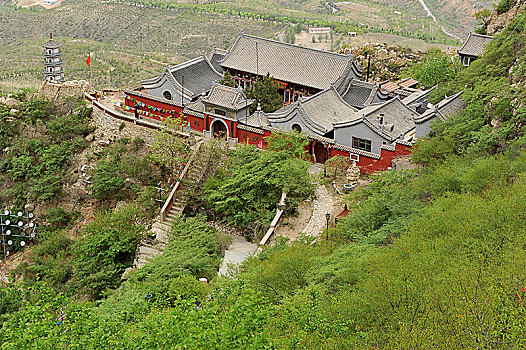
418, 96
445, 108
257, 119
196, 106
408, 83
228, 97
289, 63
475, 44
319, 111
397, 119
360, 94
215, 57
199, 75
451, 105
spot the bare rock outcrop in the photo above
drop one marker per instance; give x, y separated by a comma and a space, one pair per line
499, 21
57, 91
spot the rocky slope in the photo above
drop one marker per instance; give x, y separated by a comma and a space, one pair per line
498, 21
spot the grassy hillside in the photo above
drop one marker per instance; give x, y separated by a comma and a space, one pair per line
129, 43
132, 40
432, 258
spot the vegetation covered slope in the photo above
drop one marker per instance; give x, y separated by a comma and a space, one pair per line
429, 258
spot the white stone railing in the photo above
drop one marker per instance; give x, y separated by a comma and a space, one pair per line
274, 223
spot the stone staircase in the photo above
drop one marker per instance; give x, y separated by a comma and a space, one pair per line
189, 184
198, 167
159, 236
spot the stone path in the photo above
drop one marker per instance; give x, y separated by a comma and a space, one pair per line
323, 204
237, 252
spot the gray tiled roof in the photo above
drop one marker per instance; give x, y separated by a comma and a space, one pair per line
196, 106
360, 94
199, 75
445, 108
216, 56
257, 119
255, 130
319, 111
357, 151
289, 63
451, 105
228, 97
398, 119
51, 44
474, 44
418, 96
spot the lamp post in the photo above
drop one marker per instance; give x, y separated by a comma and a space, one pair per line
328, 217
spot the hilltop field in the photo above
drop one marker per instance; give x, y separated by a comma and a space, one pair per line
134, 40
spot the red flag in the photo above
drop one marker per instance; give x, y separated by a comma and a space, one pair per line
88, 60
260, 144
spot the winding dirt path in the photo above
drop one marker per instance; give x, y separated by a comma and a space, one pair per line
323, 204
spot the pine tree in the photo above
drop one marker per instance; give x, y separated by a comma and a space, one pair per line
266, 93
228, 80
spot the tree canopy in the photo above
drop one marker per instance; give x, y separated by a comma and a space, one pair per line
265, 92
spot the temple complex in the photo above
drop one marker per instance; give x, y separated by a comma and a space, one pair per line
298, 71
323, 98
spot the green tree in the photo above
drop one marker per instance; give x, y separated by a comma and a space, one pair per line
108, 180
435, 68
482, 18
105, 249
337, 165
292, 143
169, 148
505, 5
265, 91
227, 79
246, 192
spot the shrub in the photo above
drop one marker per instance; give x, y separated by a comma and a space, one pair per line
106, 247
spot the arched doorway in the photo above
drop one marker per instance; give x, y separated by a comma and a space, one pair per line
320, 153
219, 129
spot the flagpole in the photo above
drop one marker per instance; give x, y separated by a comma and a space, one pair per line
89, 67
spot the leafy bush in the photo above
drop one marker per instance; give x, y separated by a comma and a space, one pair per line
108, 180
435, 68
105, 249
505, 5
51, 135
193, 251
248, 192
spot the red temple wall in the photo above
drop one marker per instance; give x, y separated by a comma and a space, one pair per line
367, 165
157, 114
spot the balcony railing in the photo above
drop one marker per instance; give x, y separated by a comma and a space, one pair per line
52, 54
53, 72
52, 63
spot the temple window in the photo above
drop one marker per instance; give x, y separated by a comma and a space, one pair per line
361, 144
167, 95
296, 127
